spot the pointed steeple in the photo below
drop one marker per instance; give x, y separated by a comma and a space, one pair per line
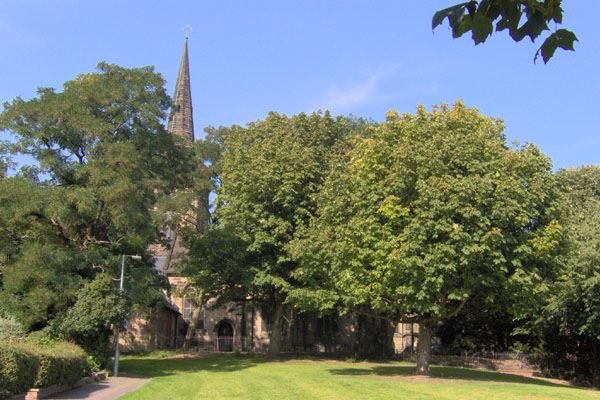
181, 120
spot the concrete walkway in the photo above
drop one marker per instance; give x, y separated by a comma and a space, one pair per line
113, 388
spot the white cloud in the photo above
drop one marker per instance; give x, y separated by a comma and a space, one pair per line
357, 93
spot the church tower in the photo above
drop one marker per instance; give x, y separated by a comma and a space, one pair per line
180, 124
181, 119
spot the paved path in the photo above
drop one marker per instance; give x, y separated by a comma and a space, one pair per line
113, 388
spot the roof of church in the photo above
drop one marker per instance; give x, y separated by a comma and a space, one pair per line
181, 120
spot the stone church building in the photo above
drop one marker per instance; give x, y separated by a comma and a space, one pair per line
246, 326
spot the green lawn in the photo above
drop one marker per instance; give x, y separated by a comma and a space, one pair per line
256, 377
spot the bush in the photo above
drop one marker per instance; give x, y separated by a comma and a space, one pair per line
88, 323
18, 370
27, 365
60, 364
10, 329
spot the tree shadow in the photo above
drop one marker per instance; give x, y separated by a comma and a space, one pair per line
153, 367
444, 373
217, 363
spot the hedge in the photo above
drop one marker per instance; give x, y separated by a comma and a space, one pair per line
18, 370
26, 365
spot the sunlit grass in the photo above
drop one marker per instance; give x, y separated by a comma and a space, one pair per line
257, 377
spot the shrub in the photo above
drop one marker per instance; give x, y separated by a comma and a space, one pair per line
18, 370
10, 329
89, 322
27, 365
60, 364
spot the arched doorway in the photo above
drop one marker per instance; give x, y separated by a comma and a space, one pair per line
224, 336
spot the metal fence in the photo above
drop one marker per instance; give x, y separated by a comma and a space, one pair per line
224, 344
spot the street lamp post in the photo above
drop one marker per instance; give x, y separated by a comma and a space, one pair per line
116, 363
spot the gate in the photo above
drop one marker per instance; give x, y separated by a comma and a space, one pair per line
225, 343
224, 336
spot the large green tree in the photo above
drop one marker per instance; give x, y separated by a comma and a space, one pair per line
271, 171
571, 318
428, 212
103, 158
478, 17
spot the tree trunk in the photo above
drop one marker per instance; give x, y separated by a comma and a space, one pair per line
290, 329
424, 349
595, 363
390, 346
203, 216
191, 330
253, 325
275, 340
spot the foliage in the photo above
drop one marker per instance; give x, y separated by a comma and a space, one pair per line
5, 159
581, 184
27, 365
187, 210
430, 211
60, 364
571, 318
270, 172
214, 264
42, 270
479, 327
103, 160
186, 213
10, 329
99, 307
478, 17
578, 300
18, 370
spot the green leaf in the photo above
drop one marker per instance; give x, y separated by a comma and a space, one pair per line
534, 26
463, 27
507, 14
451, 13
566, 39
554, 11
562, 38
482, 28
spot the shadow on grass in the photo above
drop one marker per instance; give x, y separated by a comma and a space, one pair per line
218, 363
444, 373
154, 367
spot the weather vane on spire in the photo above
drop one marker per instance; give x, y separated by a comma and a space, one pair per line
187, 29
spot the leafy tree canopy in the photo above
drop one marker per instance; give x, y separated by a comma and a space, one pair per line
427, 212
103, 158
217, 265
574, 302
581, 184
479, 16
270, 173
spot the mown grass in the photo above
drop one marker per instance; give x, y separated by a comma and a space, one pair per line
256, 377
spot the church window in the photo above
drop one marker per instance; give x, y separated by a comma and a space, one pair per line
188, 308
266, 312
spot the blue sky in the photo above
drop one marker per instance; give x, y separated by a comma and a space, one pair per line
353, 57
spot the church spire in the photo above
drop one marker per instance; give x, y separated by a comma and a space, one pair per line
181, 120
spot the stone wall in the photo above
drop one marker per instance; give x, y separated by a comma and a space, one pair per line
159, 328
245, 326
